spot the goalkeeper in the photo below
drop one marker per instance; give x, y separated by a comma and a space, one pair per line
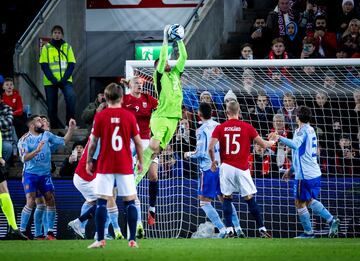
164, 119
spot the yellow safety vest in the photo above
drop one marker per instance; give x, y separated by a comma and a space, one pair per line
57, 59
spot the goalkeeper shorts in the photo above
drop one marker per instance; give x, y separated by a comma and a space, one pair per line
163, 129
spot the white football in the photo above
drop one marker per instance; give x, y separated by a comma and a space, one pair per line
176, 32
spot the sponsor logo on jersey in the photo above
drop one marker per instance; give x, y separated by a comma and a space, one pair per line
144, 104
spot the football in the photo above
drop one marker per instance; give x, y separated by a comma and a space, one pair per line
176, 32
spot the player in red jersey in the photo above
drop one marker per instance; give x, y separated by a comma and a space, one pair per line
235, 138
142, 105
115, 127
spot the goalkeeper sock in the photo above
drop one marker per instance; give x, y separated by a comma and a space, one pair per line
51, 212
25, 216
38, 218
114, 217
304, 217
131, 214
100, 218
227, 210
319, 209
153, 189
212, 214
255, 212
138, 209
147, 154
8, 209
235, 218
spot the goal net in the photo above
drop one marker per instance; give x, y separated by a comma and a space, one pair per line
268, 92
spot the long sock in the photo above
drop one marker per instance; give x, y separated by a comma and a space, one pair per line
138, 209
235, 218
255, 212
44, 222
227, 210
100, 218
212, 214
304, 217
25, 216
319, 209
153, 191
114, 217
85, 207
147, 155
38, 218
8, 209
107, 224
51, 212
90, 213
131, 214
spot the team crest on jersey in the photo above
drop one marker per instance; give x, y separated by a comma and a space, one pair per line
144, 104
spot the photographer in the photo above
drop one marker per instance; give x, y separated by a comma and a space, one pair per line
309, 49
89, 112
70, 163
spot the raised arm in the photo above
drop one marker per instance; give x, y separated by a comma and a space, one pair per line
180, 64
264, 143
164, 52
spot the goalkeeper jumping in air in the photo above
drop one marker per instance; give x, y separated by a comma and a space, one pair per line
165, 118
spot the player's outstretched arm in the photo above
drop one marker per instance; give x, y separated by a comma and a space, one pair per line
264, 143
70, 132
139, 152
163, 52
296, 142
180, 64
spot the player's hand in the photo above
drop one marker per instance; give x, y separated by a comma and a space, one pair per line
139, 167
101, 107
40, 146
2, 162
187, 154
89, 168
72, 159
166, 35
273, 136
214, 165
72, 124
286, 176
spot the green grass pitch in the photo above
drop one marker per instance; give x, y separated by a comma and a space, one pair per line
186, 249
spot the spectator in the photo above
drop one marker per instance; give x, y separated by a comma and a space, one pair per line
278, 52
289, 111
326, 42
12, 98
262, 115
309, 49
248, 92
293, 39
57, 61
89, 112
351, 37
307, 18
342, 52
261, 163
347, 159
246, 52
70, 163
260, 38
345, 16
217, 115
6, 126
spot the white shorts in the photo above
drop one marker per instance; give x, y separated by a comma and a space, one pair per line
86, 188
236, 180
145, 144
104, 184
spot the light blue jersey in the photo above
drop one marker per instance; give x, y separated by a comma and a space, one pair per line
304, 152
203, 137
41, 163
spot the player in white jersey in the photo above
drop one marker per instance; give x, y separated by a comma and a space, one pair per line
307, 174
209, 183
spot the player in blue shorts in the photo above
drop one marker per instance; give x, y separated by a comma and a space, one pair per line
307, 174
35, 153
209, 185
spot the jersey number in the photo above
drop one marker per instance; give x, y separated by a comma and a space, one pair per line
116, 140
233, 142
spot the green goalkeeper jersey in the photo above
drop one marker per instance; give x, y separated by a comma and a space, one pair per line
167, 84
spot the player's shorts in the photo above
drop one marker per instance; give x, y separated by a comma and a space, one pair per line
306, 189
104, 184
236, 180
145, 144
163, 129
86, 188
209, 185
37, 183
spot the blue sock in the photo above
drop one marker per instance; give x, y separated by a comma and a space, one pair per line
38, 219
131, 214
319, 209
51, 212
304, 217
25, 216
255, 212
85, 207
153, 187
227, 210
114, 217
90, 213
234, 217
138, 208
212, 214
100, 218
44, 222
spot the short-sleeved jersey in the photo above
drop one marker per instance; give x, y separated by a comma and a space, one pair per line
235, 138
142, 108
81, 167
115, 127
41, 163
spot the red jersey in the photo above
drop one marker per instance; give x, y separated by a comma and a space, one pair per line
141, 108
15, 102
81, 167
235, 138
115, 127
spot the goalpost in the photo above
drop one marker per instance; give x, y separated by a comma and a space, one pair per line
330, 87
